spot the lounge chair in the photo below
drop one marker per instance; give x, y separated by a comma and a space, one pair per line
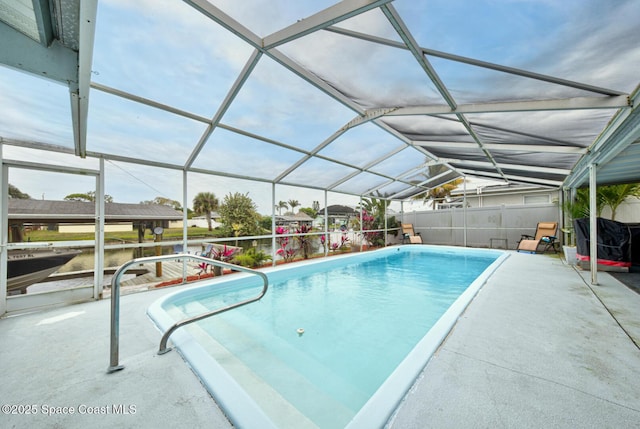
408, 234
545, 236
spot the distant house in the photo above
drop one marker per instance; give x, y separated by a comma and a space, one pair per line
294, 221
492, 196
199, 221
339, 215
80, 216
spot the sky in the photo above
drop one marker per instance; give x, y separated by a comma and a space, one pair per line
165, 51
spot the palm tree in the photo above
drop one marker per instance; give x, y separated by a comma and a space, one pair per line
376, 212
376, 208
606, 196
293, 204
614, 195
203, 204
610, 195
281, 205
439, 193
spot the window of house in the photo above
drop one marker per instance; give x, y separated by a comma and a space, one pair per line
536, 199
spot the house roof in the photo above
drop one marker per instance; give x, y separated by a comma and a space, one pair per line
79, 211
364, 97
338, 210
298, 217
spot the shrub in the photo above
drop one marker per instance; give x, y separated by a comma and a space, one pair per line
252, 258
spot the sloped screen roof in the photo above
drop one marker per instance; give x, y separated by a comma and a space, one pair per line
381, 98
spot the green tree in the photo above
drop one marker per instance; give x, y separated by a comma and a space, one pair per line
579, 207
373, 213
281, 205
88, 196
439, 193
162, 201
17, 193
606, 196
614, 195
265, 223
293, 204
203, 204
376, 208
309, 211
239, 214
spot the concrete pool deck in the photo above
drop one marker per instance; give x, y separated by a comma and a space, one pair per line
538, 347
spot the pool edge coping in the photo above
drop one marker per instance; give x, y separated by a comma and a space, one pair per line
243, 411
379, 409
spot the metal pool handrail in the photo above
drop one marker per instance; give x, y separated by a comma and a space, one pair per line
115, 301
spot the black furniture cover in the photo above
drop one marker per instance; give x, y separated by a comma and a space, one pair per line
614, 242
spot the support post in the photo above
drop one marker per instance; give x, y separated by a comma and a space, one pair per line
273, 224
4, 234
98, 275
593, 225
464, 210
158, 239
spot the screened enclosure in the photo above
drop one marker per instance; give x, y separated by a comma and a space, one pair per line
327, 101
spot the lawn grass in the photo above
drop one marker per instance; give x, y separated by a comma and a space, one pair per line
120, 236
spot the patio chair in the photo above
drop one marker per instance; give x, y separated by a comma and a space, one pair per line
178, 248
207, 251
409, 236
545, 236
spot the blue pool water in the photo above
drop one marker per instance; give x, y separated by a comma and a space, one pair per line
365, 319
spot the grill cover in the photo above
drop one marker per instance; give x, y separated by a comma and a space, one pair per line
614, 242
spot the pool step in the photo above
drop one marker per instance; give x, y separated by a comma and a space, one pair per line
281, 412
317, 402
261, 368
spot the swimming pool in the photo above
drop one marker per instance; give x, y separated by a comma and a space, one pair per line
335, 342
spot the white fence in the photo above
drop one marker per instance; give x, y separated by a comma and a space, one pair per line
499, 227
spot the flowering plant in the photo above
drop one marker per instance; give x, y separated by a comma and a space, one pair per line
286, 250
369, 223
304, 240
344, 240
202, 266
223, 254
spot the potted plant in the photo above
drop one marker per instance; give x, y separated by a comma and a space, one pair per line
606, 196
578, 208
224, 254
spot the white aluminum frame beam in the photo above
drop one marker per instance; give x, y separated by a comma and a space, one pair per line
224, 20
80, 95
513, 178
411, 44
413, 47
224, 106
323, 19
571, 103
484, 164
622, 131
478, 63
21, 52
505, 147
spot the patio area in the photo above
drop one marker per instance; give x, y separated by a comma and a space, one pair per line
538, 347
